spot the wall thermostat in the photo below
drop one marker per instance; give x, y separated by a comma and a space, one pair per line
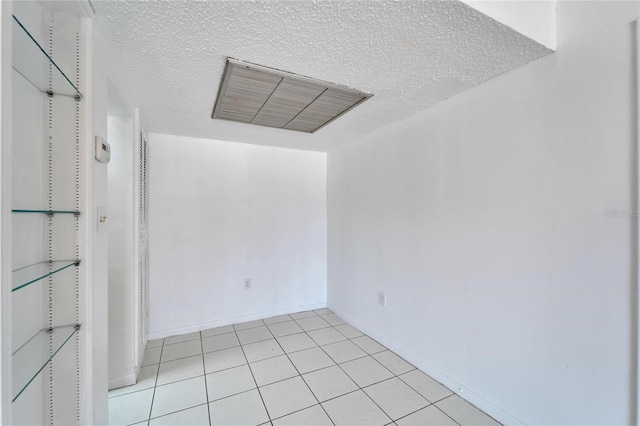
103, 150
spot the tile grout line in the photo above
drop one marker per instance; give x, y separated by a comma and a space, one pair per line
271, 357
347, 374
330, 325
177, 411
156, 382
204, 372
359, 387
413, 412
415, 390
258, 341
443, 412
302, 378
254, 377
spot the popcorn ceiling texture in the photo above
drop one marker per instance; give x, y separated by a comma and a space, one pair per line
409, 54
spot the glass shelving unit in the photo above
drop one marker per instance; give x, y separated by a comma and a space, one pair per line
47, 212
25, 47
34, 355
28, 275
35, 69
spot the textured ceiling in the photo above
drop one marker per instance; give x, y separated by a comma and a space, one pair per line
409, 54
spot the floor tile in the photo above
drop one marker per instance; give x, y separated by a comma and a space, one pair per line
284, 328
277, 319
237, 356
182, 338
393, 362
219, 342
324, 336
248, 324
296, 342
344, 351
305, 314
333, 319
430, 416
196, 416
221, 360
154, 343
368, 345
130, 408
312, 323
329, 383
366, 371
151, 356
310, 360
181, 350
229, 382
355, 409
146, 380
253, 335
425, 385
287, 396
312, 416
396, 398
178, 396
463, 412
349, 331
217, 331
180, 369
262, 350
245, 409
272, 370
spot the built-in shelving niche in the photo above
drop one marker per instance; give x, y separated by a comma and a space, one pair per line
46, 218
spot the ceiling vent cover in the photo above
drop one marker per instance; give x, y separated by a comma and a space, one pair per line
265, 96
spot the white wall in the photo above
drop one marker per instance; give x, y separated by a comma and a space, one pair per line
483, 218
220, 212
6, 348
95, 193
121, 258
535, 19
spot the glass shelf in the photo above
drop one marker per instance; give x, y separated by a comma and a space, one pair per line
32, 62
23, 277
33, 356
47, 212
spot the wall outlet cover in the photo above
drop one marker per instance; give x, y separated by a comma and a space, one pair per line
382, 298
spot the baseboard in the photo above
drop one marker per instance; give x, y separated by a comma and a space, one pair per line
122, 381
160, 334
459, 388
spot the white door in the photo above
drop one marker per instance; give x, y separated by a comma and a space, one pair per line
141, 243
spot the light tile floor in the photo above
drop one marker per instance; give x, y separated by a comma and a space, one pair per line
308, 368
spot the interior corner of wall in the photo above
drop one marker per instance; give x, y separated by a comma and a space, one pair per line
533, 19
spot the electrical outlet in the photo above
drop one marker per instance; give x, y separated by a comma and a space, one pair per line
382, 298
247, 284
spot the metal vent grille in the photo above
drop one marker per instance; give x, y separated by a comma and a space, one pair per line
255, 94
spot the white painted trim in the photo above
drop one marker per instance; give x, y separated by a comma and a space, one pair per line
636, 397
87, 394
122, 381
232, 320
86, 9
460, 389
5, 213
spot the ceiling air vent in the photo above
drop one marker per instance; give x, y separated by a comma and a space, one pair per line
265, 96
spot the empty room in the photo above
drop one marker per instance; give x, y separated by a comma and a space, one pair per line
319, 212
